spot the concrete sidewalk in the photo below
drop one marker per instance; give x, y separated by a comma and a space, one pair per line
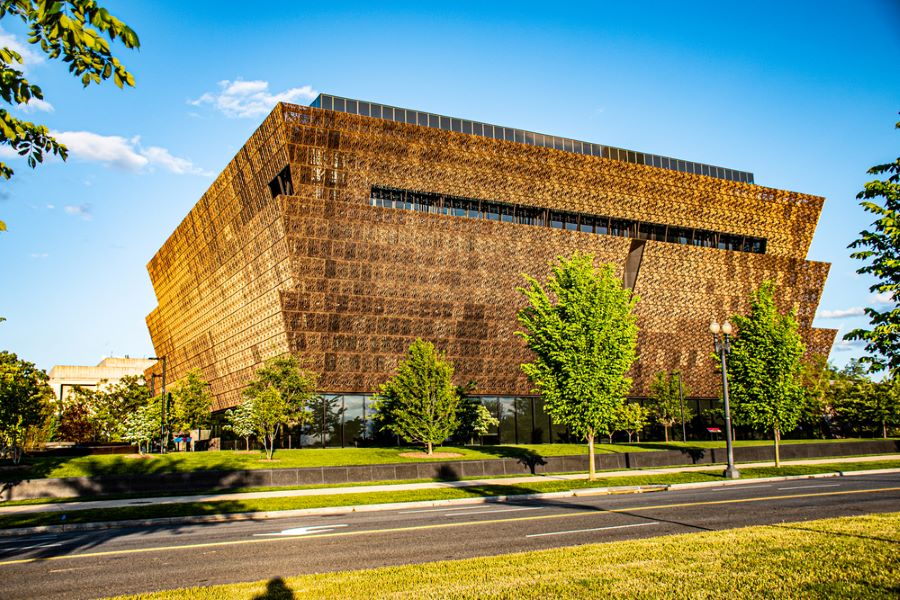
361, 489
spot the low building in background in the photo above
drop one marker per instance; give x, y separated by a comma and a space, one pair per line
345, 230
64, 378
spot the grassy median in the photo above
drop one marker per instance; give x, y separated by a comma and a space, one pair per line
539, 485
853, 557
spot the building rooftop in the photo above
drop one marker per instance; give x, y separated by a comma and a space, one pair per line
509, 134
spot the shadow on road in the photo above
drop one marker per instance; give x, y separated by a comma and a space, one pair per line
276, 589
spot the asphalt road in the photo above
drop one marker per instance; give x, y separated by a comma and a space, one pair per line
105, 563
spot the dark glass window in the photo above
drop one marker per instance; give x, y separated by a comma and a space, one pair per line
411, 117
730, 242
572, 222
456, 125
467, 126
422, 119
650, 231
364, 109
339, 104
621, 227
529, 216
557, 220
586, 224
679, 235
507, 214
387, 112
445, 123
706, 239
458, 207
478, 128
491, 211
601, 225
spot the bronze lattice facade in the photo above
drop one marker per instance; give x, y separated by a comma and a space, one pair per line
346, 236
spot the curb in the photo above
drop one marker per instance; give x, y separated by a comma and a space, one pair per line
340, 510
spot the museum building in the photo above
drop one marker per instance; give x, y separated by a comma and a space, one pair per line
347, 229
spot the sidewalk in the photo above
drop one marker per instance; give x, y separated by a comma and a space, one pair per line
213, 497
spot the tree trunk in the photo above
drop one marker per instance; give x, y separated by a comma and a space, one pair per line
247, 439
638, 437
666, 429
430, 451
591, 470
777, 457
629, 437
884, 429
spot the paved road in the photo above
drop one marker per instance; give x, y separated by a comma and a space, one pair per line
97, 564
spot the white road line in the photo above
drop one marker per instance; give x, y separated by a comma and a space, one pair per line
808, 487
36, 546
429, 510
531, 535
304, 530
491, 512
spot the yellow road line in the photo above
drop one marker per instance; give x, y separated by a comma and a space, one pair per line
439, 526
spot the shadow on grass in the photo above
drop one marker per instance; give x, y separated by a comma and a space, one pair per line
798, 527
276, 589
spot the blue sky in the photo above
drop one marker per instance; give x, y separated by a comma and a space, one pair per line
804, 95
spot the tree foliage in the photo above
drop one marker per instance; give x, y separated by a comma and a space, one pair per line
280, 394
631, 418
666, 400
24, 403
880, 248
142, 425
240, 421
764, 367
193, 402
74, 31
582, 332
419, 403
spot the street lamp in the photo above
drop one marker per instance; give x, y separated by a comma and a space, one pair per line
162, 407
723, 348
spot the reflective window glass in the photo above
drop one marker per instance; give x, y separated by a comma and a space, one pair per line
339, 104
387, 112
478, 128
422, 119
586, 224
491, 211
467, 127
364, 109
445, 123
507, 214
601, 225
557, 220
572, 222
705, 239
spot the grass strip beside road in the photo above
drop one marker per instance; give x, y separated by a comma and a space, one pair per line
539, 485
851, 557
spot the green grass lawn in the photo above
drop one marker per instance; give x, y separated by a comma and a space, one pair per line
117, 464
539, 485
852, 557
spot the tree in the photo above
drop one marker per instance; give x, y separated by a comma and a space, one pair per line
473, 416
115, 402
240, 421
76, 422
142, 425
193, 402
280, 393
764, 367
582, 332
882, 247
816, 376
667, 400
73, 30
24, 402
632, 418
419, 402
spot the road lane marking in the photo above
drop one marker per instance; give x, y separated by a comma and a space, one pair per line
491, 512
534, 535
429, 510
807, 487
299, 531
598, 511
730, 488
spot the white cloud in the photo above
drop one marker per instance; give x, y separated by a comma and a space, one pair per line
8, 152
127, 154
855, 311
842, 345
79, 210
882, 298
37, 105
38, 255
29, 56
250, 99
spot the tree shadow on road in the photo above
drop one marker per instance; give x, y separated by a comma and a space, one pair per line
276, 589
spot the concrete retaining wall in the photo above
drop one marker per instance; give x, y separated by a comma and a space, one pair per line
447, 470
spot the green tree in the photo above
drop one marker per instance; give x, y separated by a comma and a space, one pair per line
281, 394
24, 402
632, 418
142, 425
764, 367
666, 400
193, 402
419, 403
76, 422
75, 31
240, 421
815, 377
115, 402
582, 332
880, 249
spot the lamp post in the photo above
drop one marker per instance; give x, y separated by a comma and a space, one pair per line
162, 407
681, 401
723, 348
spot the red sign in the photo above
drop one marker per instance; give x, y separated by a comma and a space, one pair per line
714, 430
